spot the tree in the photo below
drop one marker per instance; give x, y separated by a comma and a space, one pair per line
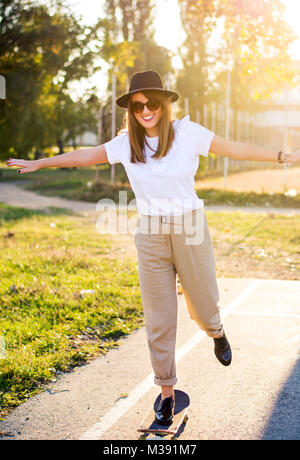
199, 19
256, 39
127, 43
41, 52
254, 45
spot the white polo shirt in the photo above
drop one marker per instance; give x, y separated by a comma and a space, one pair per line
165, 186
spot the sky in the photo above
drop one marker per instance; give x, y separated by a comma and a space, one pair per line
167, 13
171, 36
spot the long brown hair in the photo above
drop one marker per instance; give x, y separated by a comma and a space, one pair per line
137, 132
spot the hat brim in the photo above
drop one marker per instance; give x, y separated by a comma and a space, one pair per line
122, 101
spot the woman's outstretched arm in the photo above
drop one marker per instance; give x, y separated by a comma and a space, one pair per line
81, 157
243, 151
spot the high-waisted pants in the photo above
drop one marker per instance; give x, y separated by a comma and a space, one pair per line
163, 249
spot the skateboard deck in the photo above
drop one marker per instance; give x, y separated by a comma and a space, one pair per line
150, 425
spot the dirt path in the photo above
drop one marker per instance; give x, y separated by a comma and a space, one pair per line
261, 181
13, 194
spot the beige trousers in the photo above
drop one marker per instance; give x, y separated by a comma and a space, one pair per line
167, 245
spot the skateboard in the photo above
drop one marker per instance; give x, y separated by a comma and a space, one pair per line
150, 425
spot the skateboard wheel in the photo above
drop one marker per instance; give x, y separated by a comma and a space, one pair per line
143, 436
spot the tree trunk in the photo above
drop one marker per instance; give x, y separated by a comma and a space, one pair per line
100, 125
37, 154
60, 144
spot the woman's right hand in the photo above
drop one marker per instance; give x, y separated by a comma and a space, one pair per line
26, 165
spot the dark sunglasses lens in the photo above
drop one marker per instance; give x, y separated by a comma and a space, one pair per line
137, 107
153, 104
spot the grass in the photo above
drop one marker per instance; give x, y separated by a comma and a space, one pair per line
257, 245
231, 198
275, 230
61, 175
49, 325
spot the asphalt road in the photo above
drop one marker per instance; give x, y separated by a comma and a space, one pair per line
257, 397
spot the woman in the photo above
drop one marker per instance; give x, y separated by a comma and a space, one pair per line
161, 157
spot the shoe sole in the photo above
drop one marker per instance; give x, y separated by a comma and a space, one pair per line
160, 422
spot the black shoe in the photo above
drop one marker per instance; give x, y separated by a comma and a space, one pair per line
165, 411
223, 350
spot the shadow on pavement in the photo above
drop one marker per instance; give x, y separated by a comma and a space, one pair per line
284, 422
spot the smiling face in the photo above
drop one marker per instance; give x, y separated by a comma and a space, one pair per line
148, 118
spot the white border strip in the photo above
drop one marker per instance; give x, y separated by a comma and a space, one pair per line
123, 405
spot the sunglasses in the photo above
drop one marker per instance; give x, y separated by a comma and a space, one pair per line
152, 104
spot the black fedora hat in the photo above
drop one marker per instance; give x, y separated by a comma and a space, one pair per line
142, 81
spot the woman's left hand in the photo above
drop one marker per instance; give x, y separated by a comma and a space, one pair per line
293, 157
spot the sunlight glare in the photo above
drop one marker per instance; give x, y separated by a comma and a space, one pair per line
292, 15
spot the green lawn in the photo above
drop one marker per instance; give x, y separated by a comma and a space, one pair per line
63, 175
48, 325
268, 231
253, 245
232, 198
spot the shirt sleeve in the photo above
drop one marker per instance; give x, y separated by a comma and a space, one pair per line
117, 148
201, 138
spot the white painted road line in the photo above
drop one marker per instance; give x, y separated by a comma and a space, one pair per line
123, 405
284, 282
193, 341
259, 313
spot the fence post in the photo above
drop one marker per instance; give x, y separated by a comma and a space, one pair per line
186, 106
227, 122
99, 135
213, 128
113, 118
286, 134
205, 115
220, 132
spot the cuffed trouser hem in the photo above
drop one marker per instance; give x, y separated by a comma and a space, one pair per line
215, 334
165, 382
